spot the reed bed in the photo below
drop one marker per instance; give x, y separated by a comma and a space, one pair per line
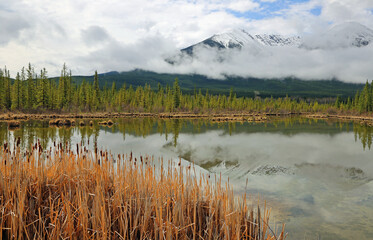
62, 193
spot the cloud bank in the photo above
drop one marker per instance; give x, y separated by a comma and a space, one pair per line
350, 64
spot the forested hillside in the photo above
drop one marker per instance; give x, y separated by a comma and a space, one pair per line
248, 87
31, 92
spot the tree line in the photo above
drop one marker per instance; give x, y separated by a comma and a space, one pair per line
36, 92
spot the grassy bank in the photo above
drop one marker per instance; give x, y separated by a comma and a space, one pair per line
59, 194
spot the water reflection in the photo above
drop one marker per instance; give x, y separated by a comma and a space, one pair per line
317, 173
31, 130
364, 133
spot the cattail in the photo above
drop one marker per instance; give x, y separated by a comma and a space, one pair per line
72, 197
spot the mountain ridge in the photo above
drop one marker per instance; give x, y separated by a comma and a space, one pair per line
348, 34
248, 87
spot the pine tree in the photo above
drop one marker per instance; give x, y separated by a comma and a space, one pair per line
96, 88
356, 99
42, 90
349, 103
2, 90
83, 95
337, 102
113, 91
369, 97
64, 88
7, 88
53, 95
17, 93
23, 89
30, 97
176, 94
365, 99
230, 97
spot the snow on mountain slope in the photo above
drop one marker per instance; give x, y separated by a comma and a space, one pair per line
240, 38
349, 34
278, 40
236, 38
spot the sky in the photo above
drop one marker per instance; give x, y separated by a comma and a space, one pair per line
117, 35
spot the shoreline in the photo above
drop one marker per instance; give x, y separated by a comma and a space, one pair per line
216, 117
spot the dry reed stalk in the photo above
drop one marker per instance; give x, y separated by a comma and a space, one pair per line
57, 194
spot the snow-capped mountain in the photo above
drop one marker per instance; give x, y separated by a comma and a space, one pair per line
240, 38
349, 34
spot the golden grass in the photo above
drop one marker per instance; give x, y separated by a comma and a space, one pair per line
59, 194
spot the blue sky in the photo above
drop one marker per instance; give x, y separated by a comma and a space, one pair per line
272, 9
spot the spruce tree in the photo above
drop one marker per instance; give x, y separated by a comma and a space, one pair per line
176, 94
16, 93
7, 88
337, 102
64, 88
365, 98
96, 89
42, 90
2, 90
30, 97
23, 88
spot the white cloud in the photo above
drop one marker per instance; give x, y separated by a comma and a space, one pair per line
94, 35
350, 65
243, 6
11, 26
348, 10
122, 35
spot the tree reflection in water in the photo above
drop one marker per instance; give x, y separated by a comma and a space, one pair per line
31, 131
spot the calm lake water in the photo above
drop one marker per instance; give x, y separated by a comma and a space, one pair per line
315, 175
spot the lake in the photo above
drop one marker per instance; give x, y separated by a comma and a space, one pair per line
315, 175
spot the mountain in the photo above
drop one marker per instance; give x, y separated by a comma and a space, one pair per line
241, 39
248, 87
349, 34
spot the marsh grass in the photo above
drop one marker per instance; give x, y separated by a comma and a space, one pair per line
63, 193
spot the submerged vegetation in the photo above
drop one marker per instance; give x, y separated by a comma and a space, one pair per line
79, 194
31, 92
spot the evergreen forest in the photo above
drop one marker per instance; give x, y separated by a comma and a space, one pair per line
32, 92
